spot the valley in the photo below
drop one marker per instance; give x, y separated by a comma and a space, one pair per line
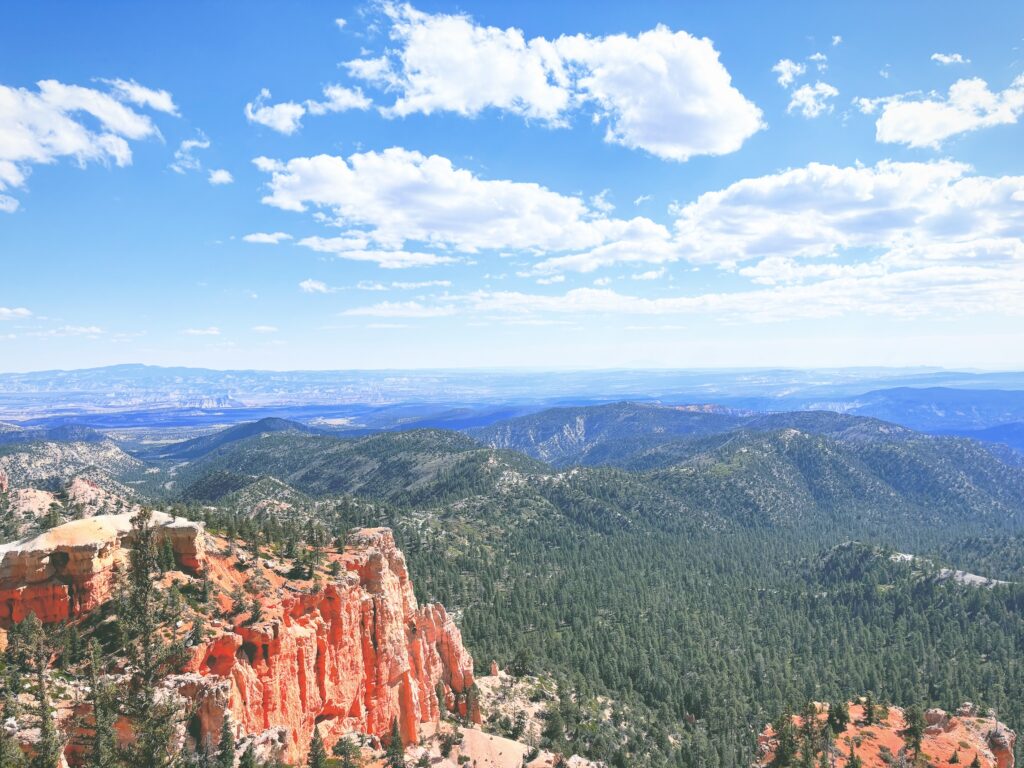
688, 572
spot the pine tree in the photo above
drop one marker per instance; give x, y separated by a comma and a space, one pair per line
248, 759
914, 731
49, 747
838, 716
155, 718
869, 709
394, 757
226, 747
317, 754
346, 751
103, 745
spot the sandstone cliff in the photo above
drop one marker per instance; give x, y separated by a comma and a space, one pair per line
965, 734
352, 656
348, 650
72, 569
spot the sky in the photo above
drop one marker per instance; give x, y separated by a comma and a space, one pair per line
314, 185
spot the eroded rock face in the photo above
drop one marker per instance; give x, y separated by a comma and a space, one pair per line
967, 734
350, 653
354, 656
72, 569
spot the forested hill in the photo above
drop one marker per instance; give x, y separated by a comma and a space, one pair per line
699, 592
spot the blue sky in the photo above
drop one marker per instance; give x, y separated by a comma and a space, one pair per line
315, 185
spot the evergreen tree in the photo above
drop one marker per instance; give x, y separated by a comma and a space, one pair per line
248, 759
346, 751
838, 716
226, 747
102, 750
49, 746
394, 756
154, 717
915, 725
317, 754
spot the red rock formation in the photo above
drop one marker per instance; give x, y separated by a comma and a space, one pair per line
351, 653
965, 734
355, 655
71, 569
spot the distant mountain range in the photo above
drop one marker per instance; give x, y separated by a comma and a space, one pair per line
143, 396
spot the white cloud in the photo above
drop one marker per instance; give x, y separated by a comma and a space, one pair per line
812, 100
211, 331
900, 215
184, 157
927, 122
415, 286
788, 71
552, 280
88, 331
397, 259
642, 199
337, 98
14, 313
820, 60
220, 176
383, 200
663, 92
821, 210
43, 126
651, 274
950, 58
836, 40
285, 117
264, 329
401, 309
600, 202
315, 286
340, 23
131, 91
266, 238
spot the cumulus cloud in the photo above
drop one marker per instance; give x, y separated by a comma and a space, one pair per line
401, 309
812, 100
14, 313
893, 237
220, 176
184, 156
661, 91
836, 40
820, 61
211, 331
651, 274
384, 200
131, 91
338, 98
266, 238
928, 121
788, 71
950, 58
314, 286
286, 116
44, 125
